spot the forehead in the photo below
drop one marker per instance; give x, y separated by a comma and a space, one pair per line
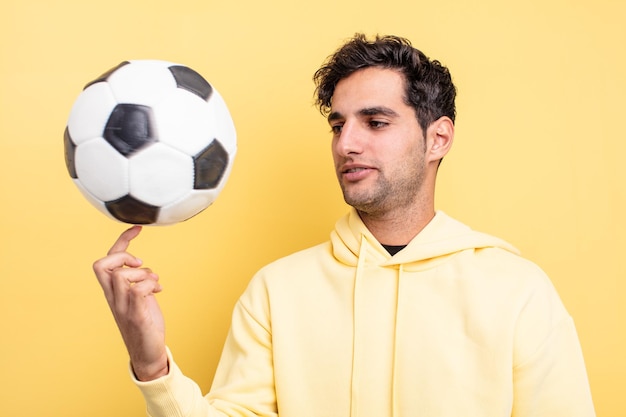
369, 87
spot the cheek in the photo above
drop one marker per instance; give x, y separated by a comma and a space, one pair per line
333, 150
407, 154
399, 148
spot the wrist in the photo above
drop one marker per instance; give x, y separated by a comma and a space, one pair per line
150, 372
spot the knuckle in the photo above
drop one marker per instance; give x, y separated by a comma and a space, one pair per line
97, 265
139, 291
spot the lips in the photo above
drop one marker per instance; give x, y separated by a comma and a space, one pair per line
355, 172
351, 170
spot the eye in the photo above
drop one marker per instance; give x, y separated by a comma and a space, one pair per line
377, 124
336, 128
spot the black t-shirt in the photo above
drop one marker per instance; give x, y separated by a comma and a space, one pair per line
393, 249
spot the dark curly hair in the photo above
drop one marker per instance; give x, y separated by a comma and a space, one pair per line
429, 87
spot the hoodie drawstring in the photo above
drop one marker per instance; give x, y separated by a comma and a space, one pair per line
375, 305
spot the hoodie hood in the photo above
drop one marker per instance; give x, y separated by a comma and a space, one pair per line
442, 237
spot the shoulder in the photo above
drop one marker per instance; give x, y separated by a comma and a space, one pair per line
506, 275
497, 259
531, 284
307, 261
298, 260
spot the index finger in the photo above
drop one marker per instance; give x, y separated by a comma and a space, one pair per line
122, 242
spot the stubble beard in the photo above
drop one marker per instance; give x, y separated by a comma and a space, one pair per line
385, 195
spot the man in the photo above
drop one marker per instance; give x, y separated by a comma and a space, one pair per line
403, 312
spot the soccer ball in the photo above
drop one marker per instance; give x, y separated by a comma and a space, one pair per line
150, 142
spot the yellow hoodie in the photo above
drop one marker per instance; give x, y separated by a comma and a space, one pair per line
456, 324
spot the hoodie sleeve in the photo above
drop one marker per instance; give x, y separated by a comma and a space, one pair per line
244, 380
173, 395
549, 375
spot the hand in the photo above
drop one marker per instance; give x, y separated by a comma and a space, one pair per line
129, 289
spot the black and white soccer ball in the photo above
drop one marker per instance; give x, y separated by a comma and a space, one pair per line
150, 142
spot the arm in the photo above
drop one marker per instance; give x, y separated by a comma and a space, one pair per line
245, 374
549, 374
244, 380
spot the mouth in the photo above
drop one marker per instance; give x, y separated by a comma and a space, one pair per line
354, 173
353, 170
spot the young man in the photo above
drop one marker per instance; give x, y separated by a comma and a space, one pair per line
403, 312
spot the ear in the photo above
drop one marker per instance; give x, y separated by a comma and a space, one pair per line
440, 137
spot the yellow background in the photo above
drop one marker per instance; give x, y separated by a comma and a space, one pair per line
538, 160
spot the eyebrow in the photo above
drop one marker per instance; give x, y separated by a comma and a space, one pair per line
368, 111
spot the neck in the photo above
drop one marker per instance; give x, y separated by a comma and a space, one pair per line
397, 228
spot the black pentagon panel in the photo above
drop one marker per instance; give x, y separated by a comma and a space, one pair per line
106, 75
130, 128
130, 210
70, 152
210, 165
190, 80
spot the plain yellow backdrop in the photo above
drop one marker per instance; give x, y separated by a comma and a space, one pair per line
537, 160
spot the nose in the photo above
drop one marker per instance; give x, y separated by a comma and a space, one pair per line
349, 140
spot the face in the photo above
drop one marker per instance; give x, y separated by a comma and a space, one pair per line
378, 146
